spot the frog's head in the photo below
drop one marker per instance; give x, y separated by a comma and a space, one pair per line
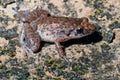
84, 29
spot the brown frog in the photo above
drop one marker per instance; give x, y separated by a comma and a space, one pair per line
40, 26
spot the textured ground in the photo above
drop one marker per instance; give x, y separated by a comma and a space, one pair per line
95, 57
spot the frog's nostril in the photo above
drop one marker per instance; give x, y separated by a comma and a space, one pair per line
85, 19
91, 27
79, 30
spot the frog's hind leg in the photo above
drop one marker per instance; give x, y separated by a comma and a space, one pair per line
29, 40
24, 45
29, 16
23, 42
60, 48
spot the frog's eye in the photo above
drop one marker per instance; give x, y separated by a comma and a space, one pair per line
79, 30
48, 15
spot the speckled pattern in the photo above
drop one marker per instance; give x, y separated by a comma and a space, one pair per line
94, 57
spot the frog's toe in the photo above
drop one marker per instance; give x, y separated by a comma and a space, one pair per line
63, 57
66, 59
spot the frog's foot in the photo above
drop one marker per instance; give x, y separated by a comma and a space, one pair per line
28, 51
22, 40
60, 49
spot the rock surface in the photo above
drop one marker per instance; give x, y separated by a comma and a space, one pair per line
95, 57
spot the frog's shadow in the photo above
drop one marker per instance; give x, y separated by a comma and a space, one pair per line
93, 38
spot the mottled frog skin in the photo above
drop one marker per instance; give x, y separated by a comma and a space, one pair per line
40, 26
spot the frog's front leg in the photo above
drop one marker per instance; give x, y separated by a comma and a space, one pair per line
60, 48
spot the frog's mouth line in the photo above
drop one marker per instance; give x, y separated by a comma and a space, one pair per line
78, 33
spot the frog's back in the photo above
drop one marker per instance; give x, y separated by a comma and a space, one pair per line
51, 28
63, 22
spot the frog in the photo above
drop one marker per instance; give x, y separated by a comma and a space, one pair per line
39, 25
